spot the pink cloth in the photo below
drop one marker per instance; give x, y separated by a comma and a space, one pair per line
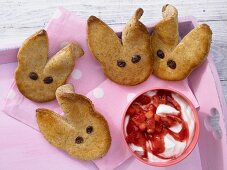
109, 98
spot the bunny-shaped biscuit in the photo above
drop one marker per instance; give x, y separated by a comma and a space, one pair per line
128, 61
36, 77
82, 132
174, 60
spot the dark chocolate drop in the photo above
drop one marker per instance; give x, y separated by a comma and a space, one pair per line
48, 80
136, 58
160, 54
79, 140
33, 76
171, 64
121, 63
89, 129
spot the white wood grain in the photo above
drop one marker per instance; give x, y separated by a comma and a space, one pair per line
20, 18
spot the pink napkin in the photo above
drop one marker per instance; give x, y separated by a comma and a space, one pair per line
109, 98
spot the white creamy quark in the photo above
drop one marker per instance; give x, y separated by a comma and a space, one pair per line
163, 108
187, 115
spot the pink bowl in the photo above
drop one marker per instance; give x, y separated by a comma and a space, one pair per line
190, 147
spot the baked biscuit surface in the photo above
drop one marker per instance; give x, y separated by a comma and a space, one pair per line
82, 132
128, 61
175, 60
37, 78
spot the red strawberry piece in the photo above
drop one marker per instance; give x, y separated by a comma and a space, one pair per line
149, 114
134, 109
139, 118
158, 145
131, 127
155, 100
175, 118
143, 99
165, 121
141, 142
168, 121
163, 99
142, 126
157, 118
136, 138
174, 103
131, 138
140, 139
152, 108
150, 124
158, 127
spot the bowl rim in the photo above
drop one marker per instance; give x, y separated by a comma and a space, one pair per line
188, 150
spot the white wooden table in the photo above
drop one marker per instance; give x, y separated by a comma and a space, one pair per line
21, 18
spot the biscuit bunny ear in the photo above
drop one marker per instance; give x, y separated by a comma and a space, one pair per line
75, 106
167, 28
194, 48
102, 40
135, 33
53, 127
35, 48
63, 62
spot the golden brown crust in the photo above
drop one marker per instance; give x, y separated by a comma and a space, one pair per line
62, 131
33, 57
184, 56
108, 49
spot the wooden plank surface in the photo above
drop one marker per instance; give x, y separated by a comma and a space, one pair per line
20, 18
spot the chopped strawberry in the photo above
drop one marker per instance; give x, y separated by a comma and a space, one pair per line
175, 118
134, 109
131, 138
158, 145
141, 141
174, 103
149, 114
131, 127
155, 100
158, 127
152, 108
150, 124
168, 121
157, 118
142, 126
136, 138
139, 118
143, 99
163, 99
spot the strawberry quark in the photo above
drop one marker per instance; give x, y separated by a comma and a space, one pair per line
159, 125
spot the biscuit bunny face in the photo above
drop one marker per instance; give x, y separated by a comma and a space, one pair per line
82, 132
36, 77
127, 62
174, 60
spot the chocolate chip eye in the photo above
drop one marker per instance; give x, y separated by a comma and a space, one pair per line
79, 140
33, 76
89, 129
48, 80
135, 58
121, 63
160, 54
171, 64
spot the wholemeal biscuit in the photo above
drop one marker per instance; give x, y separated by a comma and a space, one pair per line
82, 132
126, 61
36, 77
175, 60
